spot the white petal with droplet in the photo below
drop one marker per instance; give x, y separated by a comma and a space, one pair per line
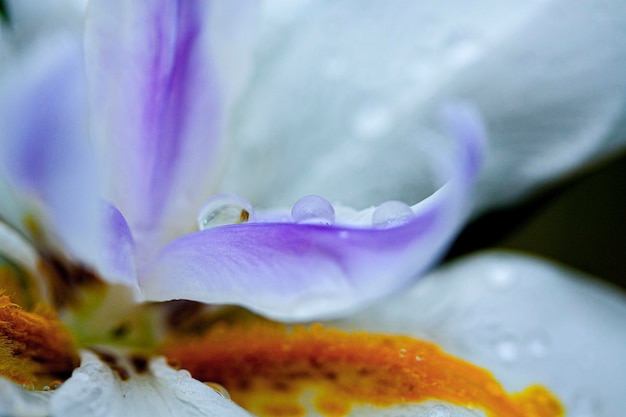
313, 209
353, 83
546, 325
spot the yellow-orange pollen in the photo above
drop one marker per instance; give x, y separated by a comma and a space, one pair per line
35, 348
271, 369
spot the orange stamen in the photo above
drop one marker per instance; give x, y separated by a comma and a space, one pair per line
268, 369
35, 348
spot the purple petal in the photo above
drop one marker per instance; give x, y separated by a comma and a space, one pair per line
300, 272
118, 256
157, 109
44, 151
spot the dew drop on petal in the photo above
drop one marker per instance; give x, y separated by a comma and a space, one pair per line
537, 346
585, 405
313, 209
501, 278
439, 411
183, 373
391, 213
463, 48
29, 386
371, 122
81, 376
219, 389
507, 349
223, 209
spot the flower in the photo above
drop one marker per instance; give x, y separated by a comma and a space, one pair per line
143, 102
161, 92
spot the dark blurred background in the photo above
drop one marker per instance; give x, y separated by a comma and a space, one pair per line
580, 221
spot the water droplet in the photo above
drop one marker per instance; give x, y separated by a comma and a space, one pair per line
439, 411
223, 209
584, 405
462, 48
465, 51
80, 377
421, 70
507, 349
391, 213
183, 373
46, 388
219, 389
313, 209
418, 358
537, 346
371, 122
402, 353
501, 278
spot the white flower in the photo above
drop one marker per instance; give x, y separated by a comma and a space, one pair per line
104, 176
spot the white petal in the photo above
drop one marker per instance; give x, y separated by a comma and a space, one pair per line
16, 401
525, 320
342, 88
95, 390
551, 96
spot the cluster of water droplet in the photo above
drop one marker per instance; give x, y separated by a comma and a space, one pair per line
53, 386
225, 209
314, 209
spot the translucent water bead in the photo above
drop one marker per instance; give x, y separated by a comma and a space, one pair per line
313, 209
223, 209
391, 213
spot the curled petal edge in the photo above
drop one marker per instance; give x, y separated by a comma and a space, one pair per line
297, 272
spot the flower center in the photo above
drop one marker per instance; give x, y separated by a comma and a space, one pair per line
271, 370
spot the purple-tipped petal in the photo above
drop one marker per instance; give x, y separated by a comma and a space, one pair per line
300, 272
118, 264
157, 109
44, 152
